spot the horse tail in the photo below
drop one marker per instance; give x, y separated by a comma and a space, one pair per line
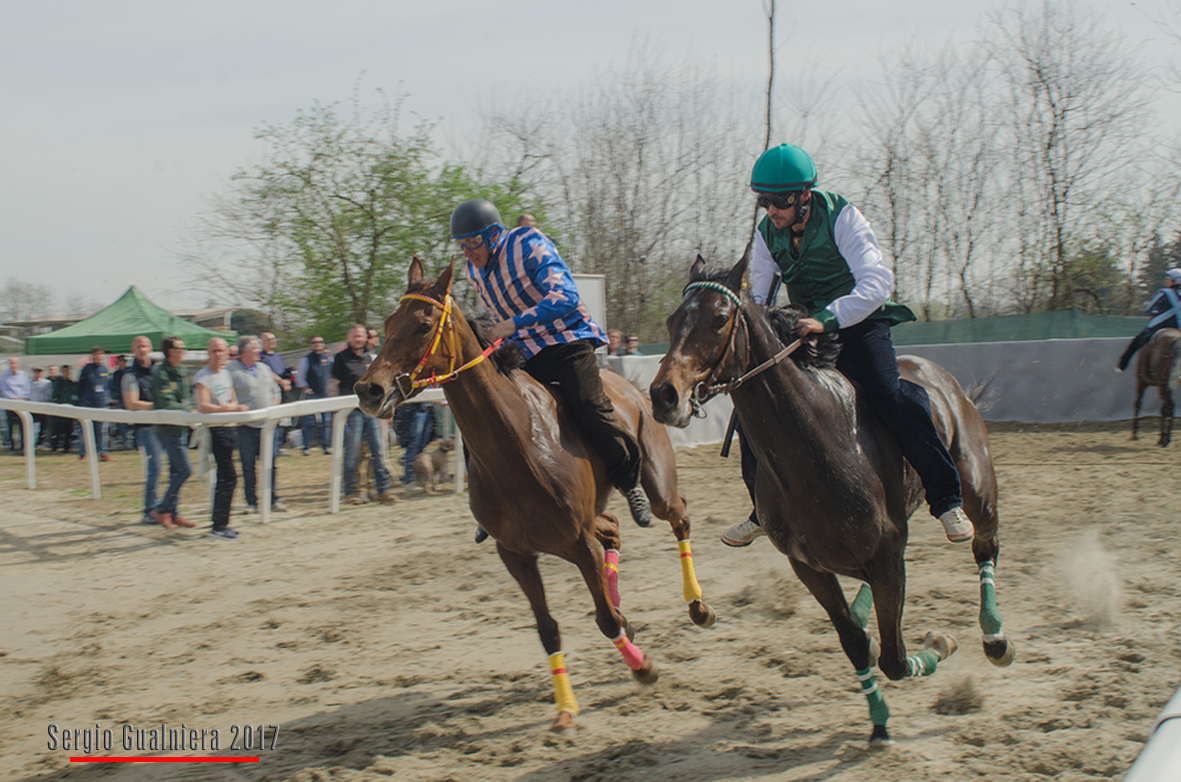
981, 394
1174, 363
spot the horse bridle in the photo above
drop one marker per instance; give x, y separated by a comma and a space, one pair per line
445, 322
706, 389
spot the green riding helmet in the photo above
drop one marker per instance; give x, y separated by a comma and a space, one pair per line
783, 169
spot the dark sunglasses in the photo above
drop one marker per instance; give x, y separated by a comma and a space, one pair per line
778, 200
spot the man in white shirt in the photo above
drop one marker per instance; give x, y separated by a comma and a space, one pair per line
255, 387
213, 388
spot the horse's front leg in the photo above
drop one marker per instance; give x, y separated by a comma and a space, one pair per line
524, 569
659, 481
1140, 386
589, 558
850, 627
887, 577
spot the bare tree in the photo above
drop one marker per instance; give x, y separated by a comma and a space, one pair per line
20, 300
1074, 114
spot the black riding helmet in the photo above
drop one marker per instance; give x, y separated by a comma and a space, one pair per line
474, 217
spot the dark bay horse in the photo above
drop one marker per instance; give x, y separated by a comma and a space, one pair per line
833, 491
534, 484
1159, 364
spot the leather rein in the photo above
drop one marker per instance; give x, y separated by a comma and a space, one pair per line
708, 388
446, 323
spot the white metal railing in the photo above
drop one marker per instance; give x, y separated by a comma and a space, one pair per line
1161, 757
270, 416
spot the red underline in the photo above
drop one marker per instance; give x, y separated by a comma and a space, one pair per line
165, 760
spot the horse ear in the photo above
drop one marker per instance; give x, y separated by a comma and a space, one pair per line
416, 273
444, 281
697, 272
735, 276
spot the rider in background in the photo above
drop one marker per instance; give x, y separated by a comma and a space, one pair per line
1165, 311
526, 285
831, 263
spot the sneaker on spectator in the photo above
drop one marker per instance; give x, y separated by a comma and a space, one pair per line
106, 457
355, 499
181, 521
166, 521
250, 509
224, 534
278, 505
149, 519
387, 497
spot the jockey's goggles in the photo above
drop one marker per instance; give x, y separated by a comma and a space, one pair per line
778, 200
471, 242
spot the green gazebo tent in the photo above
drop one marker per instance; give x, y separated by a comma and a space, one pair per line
115, 326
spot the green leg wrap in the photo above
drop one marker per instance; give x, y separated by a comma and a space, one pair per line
862, 605
990, 617
879, 712
922, 664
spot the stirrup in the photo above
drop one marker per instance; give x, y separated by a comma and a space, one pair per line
637, 502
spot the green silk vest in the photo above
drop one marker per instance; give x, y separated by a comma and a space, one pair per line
818, 274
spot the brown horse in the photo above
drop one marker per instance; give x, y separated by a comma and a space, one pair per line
833, 492
534, 484
1159, 364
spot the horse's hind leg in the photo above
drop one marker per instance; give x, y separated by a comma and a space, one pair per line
659, 478
1166, 412
978, 483
1140, 386
854, 640
611, 622
524, 570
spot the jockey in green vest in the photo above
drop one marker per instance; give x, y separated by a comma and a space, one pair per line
831, 263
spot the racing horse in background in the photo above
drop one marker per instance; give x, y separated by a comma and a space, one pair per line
1159, 364
534, 484
833, 492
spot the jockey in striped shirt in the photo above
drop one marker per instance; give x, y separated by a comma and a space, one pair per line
525, 283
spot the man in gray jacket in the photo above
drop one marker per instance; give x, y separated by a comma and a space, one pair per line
255, 387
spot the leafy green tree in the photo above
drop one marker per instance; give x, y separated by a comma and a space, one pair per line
321, 232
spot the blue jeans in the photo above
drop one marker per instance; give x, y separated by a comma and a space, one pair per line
359, 424
249, 449
324, 424
147, 439
417, 439
179, 469
100, 440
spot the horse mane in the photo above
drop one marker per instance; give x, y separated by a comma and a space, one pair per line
820, 353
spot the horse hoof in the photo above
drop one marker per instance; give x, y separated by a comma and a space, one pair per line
703, 615
564, 723
647, 674
875, 651
1000, 653
943, 645
880, 739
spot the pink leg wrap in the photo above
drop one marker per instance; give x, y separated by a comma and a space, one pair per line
631, 653
611, 567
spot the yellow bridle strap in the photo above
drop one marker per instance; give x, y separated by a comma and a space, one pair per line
445, 322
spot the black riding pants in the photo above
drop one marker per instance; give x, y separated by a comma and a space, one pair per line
867, 358
574, 368
1140, 340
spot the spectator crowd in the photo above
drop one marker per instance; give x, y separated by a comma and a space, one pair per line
249, 375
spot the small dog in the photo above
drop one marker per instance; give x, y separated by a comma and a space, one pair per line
430, 467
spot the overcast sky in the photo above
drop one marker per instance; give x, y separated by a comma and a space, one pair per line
118, 119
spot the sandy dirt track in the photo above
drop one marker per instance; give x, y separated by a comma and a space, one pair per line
388, 646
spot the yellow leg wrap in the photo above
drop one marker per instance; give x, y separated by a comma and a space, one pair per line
563, 692
692, 590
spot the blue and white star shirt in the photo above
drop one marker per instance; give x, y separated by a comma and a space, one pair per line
525, 279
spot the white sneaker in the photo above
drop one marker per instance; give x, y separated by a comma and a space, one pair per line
278, 506
742, 534
957, 525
